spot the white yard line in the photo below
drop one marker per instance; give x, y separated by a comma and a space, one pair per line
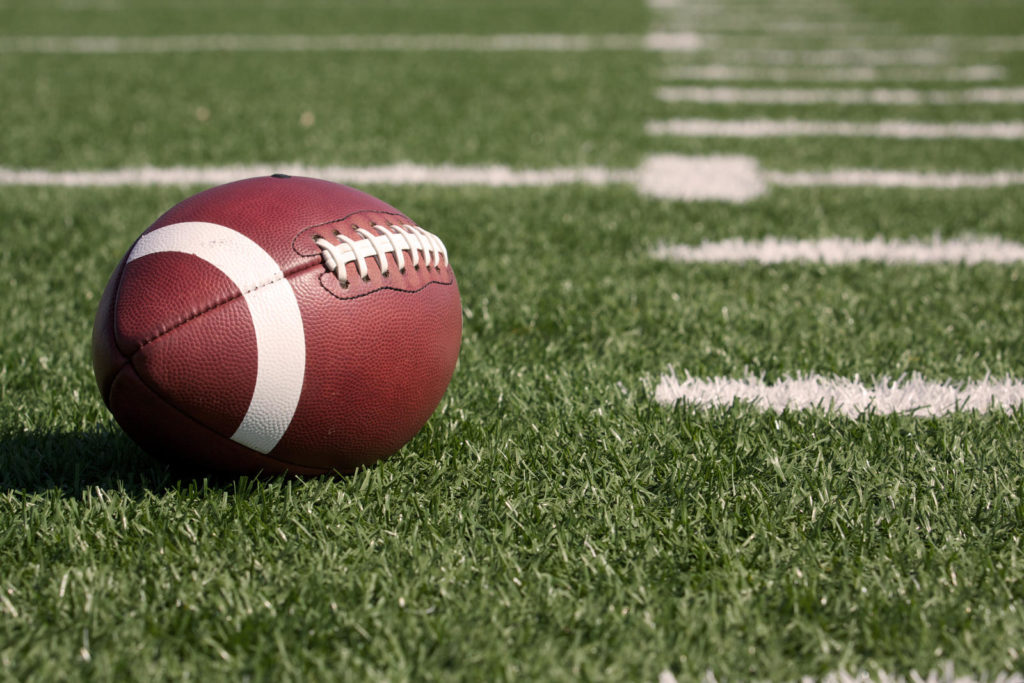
947, 674
726, 27
913, 396
723, 178
970, 250
673, 41
831, 28
768, 128
990, 44
391, 42
849, 74
714, 7
881, 178
731, 178
394, 174
728, 178
870, 49
873, 96
874, 39
845, 57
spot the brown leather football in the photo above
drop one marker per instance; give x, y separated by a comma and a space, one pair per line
278, 324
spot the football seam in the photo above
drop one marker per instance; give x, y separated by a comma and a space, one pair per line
284, 276
216, 304
163, 399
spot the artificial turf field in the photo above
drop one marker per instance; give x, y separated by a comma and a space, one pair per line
552, 521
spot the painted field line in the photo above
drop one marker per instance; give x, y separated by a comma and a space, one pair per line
772, 128
857, 74
873, 96
800, 7
913, 396
874, 39
831, 28
394, 174
724, 46
754, 14
947, 674
1004, 43
970, 250
724, 28
763, 56
696, 178
390, 42
868, 177
730, 178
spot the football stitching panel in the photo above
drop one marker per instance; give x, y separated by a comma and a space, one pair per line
316, 250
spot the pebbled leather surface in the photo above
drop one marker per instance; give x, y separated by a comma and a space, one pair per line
206, 366
175, 353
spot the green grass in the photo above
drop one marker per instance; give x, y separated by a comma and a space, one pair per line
552, 521
373, 108
742, 542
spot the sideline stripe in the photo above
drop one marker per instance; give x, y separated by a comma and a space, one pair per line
876, 96
919, 50
394, 174
947, 674
725, 178
768, 128
856, 74
970, 250
732, 178
391, 42
681, 178
866, 177
713, 7
724, 28
913, 396
965, 43
834, 27
782, 56
877, 38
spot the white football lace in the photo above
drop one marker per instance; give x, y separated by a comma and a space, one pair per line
393, 239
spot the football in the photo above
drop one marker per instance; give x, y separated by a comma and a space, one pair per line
278, 324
